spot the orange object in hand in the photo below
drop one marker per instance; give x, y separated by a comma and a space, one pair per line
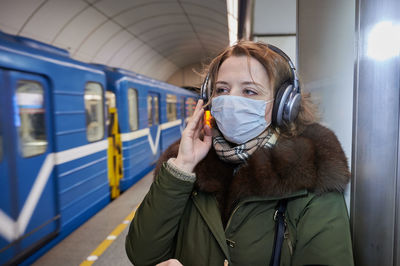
207, 118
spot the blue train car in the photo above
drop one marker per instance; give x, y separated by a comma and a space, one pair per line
53, 146
62, 125
151, 115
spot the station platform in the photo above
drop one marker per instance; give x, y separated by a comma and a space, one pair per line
101, 240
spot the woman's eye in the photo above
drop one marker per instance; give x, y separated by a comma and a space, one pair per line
249, 92
221, 90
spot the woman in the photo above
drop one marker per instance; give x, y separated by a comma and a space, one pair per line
216, 191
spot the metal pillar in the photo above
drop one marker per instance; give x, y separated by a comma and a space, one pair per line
375, 156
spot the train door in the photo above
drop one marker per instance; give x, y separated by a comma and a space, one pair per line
153, 112
28, 215
114, 152
7, 192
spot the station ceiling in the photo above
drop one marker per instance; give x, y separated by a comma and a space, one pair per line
152, 37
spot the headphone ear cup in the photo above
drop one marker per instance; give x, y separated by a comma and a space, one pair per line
293, 107
205, 91
279, 103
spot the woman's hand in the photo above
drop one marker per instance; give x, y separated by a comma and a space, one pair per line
191, 149
171, 262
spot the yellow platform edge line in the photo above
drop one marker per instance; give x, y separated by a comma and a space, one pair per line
107, 242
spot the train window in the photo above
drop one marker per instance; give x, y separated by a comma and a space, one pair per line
133, 109
156, 118
183, 108
150, 110
190, 105
31, 121
110, 103
94, 111
171, 107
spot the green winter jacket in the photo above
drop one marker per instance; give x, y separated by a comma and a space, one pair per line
223, 216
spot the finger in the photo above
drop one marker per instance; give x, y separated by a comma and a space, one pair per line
198, 107
207, 131
207, 135
199, 104
195, 119
199, 125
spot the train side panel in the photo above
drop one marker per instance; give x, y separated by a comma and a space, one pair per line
81, 163
154, 129
52, 180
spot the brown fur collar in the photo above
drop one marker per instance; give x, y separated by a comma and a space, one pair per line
314, 160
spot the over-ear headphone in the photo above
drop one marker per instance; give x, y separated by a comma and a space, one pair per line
205, 90
287, 97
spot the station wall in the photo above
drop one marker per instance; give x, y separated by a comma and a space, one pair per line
326, 56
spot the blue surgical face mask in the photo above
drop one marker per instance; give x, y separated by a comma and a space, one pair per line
239, 119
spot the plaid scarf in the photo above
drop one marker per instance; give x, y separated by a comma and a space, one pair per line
227, 152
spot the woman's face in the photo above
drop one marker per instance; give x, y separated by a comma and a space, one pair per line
244, 76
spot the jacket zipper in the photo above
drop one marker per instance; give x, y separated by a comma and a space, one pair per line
289, 242
230, 217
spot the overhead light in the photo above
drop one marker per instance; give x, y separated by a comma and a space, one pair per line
384, 41
232, 10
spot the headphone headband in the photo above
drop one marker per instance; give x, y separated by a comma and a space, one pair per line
204, 88
291, 65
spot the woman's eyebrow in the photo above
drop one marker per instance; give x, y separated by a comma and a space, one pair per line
252, 83
258, 85
243, 83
